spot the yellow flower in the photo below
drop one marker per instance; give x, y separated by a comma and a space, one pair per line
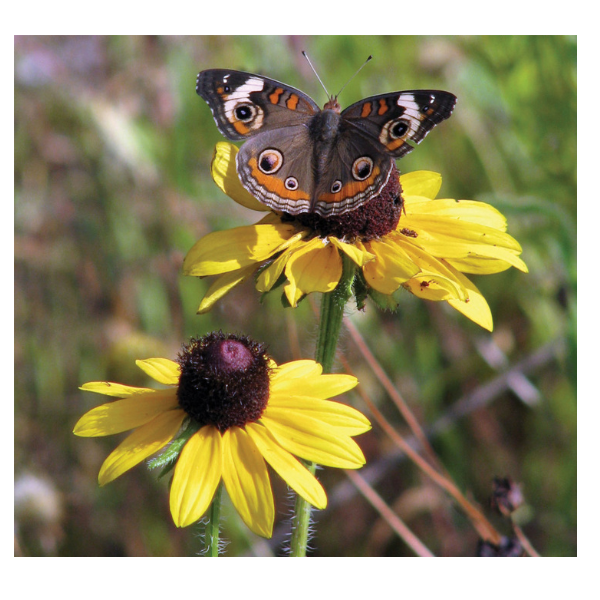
247, 411
433, 244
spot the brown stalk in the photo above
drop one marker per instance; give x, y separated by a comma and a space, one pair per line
484, 528
394, 395
390, 517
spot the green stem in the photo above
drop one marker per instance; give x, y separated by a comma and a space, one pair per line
212, 527
332, 313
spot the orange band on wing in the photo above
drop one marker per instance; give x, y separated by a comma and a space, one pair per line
350, 189
383, 107
394, 144
241, 128
274, 97
274, 185
367, 107
292, 102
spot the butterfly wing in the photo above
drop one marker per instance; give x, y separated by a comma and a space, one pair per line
398, 118
356, 169
244, 104
277, 169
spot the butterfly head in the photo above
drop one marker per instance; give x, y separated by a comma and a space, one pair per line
333, 104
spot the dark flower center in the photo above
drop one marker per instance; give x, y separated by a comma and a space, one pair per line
372, 220
224, 380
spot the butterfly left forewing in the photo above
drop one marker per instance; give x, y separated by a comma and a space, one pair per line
398, 118
244, 104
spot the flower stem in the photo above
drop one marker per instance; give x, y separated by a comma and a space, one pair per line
212, 528
332, 313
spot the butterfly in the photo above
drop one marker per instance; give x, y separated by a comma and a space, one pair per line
298, 158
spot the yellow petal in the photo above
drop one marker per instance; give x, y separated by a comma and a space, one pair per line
295, 369
163, 370
314, 267
197, 475
292, 471
482, 265
269, 276
222, 285
476, 309
317, 386
421, 183
224, 251
432, 286
469, 211
391, 267
247, 481
358, 254
453, 238
224, 173
347, 420
113, 389
122, 415
312, 440
432, 270
142, 443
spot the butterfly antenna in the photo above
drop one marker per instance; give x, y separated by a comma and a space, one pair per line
355, 74
315, 72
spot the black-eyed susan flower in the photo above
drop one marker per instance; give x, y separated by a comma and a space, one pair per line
247, 412
403, 238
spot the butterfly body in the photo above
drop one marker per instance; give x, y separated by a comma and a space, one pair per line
299, 158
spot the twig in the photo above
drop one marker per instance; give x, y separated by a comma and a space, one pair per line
484, 528
391, 518
394, 394
524, 541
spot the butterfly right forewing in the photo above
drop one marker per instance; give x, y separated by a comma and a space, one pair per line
398, 118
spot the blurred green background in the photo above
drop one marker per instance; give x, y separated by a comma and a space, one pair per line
112, 188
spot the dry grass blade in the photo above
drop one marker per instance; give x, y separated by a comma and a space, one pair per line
389, 515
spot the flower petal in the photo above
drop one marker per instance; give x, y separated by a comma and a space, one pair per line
224, 173
142, 443
291, 470
432, 286
421, 183
470, 211
247, 481
347, 420
432, 270
477, 308
224, 251
295, 369
222, 285
391, 267
360, 256
453, 238
122, 415
317, 386
483, 265
269, 276
314, 267
163, 370
113, 389
311, 439
197, 475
